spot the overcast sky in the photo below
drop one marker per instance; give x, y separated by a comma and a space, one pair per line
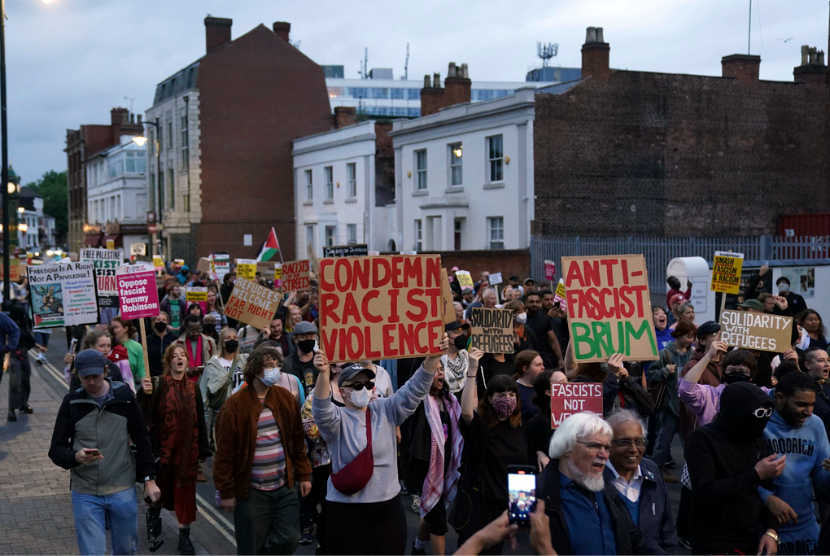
71, 61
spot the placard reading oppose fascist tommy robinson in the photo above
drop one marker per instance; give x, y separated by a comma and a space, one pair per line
609, 308
380, 307
137, 292
756, 331
252, 304
491, 330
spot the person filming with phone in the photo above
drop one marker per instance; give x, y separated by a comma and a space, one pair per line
92, 434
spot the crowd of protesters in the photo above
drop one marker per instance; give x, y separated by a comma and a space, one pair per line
305, 451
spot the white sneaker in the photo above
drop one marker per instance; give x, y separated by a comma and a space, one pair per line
416, 503
40, 358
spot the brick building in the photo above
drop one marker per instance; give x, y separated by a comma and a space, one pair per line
640, 153
226, 127
81, 145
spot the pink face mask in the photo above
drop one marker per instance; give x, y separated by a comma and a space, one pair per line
504, 407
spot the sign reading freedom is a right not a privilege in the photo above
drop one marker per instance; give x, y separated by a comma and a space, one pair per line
138, 297
609, 308
387, 307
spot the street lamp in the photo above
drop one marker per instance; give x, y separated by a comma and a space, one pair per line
141, 140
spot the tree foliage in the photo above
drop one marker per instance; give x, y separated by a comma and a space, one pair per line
52, 186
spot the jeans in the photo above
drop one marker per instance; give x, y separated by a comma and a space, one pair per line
268, 521
89, 513
669, 426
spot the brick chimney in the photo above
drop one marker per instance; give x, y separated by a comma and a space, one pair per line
344, 116
812, 68
282, 29
595, 54
217, 32
743, 67
457, 90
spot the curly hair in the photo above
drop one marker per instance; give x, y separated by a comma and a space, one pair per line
167, 359
91, 338
497, 384
128, 324
258, 360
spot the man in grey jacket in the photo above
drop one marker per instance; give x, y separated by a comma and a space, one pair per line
91, 438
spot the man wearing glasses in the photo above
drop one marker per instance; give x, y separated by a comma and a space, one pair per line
637, 481
728, 461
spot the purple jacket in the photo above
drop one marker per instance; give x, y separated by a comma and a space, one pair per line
702, 400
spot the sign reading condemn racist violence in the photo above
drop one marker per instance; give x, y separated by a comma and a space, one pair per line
491, 330
137, 292
756, 331
252, 304
62, 294
295, 275
726, 272
568, 399
609, 308
380, 307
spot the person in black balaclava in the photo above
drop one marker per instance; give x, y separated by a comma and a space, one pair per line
728, 460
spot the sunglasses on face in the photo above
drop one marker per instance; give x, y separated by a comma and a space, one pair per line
762, 412
360, 385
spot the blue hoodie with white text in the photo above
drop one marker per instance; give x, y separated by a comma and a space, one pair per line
805, 447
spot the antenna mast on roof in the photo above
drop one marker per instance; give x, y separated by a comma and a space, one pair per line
364, 65
131, 103
546, 51
406, 65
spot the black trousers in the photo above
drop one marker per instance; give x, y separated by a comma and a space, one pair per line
482, 516
20, 379
308, 505
374, 528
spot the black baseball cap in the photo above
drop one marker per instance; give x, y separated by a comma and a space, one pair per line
707, 328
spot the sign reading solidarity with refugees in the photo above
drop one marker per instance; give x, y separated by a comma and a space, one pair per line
380, 307
726, 272
491, 330
63, 294
295, 275
137, 292
550, 270
568, 399
246, 268
252, 304
609, 308
346, 251
756, 331
106, 262
464, 279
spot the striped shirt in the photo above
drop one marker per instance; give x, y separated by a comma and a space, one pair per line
268, 472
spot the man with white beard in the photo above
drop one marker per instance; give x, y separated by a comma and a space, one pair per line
586, 517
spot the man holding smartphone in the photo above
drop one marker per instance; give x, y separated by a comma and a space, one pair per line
96, 422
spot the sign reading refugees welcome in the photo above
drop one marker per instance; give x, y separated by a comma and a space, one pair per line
387, 307
609, 308
252, 304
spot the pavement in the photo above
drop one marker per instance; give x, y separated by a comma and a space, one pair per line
35, 502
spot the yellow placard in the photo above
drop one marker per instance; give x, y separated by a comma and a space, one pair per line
246, 268
110, 244
158, 262
464, 279
726, 272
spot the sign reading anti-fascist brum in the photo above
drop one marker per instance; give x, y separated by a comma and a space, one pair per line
380, 307
609, 308
726, 272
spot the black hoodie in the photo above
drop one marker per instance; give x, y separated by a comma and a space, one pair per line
727, 512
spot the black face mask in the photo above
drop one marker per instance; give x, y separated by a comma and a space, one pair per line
160, 326
460, 342
231, 345
306, 346
731, 378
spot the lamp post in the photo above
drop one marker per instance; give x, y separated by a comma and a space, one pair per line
140, 141
4, 147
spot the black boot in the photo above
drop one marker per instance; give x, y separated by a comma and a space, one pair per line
185, 546
12, 416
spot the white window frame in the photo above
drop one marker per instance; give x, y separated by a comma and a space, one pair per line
309, 186
419, 235
351, 234
328, 172
456, 164
495, 232
351, 175
495, 164
420, 171
330, 236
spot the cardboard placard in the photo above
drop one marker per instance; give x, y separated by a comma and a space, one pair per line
295, 275
16, 269
491, 330
495, 279
138, 249
252, 304
464, 279
726, 272
758, 331
246, 268
361, 250
550, 270
446, 294
203, 265
559, 295
267, 270
106, 262
570, 398
63, 294
380, 307
609, 308
138, 295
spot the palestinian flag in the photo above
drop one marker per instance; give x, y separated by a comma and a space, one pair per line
270, 248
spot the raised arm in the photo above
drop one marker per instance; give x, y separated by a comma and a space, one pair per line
469, 396
694, 374
570, 364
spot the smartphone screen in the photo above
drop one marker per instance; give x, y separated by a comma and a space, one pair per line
92, 452
521, 488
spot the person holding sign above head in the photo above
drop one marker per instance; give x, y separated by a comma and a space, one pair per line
496, 438
707, 334
619, 390
278, 337
363, 486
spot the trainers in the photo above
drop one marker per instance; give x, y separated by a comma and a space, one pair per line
40, 358
308, 534
417, 552
667, 475
26, 409
416, 503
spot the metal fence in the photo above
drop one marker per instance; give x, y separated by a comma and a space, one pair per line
658, 251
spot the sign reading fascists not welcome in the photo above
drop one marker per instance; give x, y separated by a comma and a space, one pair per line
380, 307
252, 304
756, 331
491, 330
568, 399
